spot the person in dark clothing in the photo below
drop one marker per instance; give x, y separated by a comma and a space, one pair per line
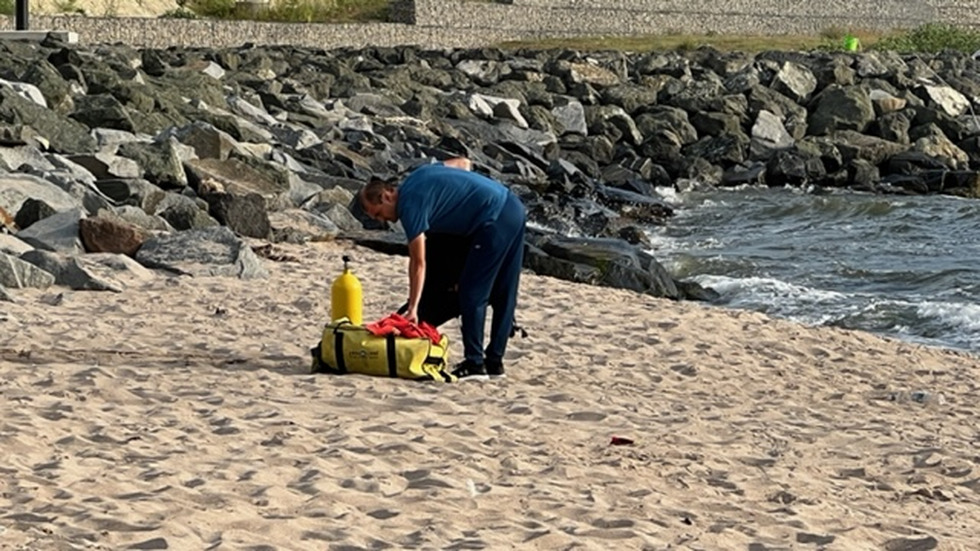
449, 198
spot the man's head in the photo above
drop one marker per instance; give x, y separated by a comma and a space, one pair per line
379, 200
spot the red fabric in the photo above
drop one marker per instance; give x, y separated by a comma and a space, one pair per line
395, 324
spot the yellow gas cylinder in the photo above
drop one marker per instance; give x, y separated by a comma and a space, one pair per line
346, 298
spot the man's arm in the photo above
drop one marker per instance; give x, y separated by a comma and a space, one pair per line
416, 275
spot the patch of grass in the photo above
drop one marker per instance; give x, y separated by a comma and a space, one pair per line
296, 11
932, 37
676, 41
217, 9
336, 11
68, 6
179, 13
7, 7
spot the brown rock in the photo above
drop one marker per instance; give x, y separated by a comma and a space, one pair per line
101, 234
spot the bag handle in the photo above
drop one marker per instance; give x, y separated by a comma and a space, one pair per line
390, 352
338, 345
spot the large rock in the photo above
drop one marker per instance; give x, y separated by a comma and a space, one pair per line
245, 214
32, 211
795, 81
161, 162
606, 262
105, 165
65, 135
182, 212
18, 274
841, 108
300, 226
119, 270
109, 233
17, 188
54, 88
58, 232
13, 246
68, 271
103, 111
201, 253
208, 142
241, 177
948, 99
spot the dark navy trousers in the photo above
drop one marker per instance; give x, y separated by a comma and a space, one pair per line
491, 276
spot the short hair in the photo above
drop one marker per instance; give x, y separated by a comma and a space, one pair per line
371, 192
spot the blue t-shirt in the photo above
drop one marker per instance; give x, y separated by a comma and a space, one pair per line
441, 199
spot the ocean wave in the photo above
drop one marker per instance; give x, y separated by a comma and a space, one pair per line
898, 265
770, 294
961, 316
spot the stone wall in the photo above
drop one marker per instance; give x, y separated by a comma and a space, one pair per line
457, 24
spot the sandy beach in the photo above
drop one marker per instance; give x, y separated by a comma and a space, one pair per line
180, 414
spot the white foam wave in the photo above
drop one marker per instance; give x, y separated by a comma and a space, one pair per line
965, 317
776, 297
765, 287
668, 194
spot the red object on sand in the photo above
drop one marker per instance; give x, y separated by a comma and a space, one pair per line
619, 441
395, 324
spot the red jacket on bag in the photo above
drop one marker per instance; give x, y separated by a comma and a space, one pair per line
395, 324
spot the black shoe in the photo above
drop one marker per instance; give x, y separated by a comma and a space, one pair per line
495, 368
470, 371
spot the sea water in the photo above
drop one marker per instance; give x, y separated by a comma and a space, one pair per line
902, 266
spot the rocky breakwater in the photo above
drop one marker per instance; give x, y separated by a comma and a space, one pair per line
194, 160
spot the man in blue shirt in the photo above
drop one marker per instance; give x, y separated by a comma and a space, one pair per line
448, 198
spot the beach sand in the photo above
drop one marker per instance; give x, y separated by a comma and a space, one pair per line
180, 414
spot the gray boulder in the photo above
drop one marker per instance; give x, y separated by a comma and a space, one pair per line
300, 226
58, 232
68, 271
118, 269
102, 111
17, 188
29, 155
19, 274
841, 108
104, 165
65, 135
160, 161
607, 262
13, 246
201, 253
241, 176
244, 213
32, 211
182, 212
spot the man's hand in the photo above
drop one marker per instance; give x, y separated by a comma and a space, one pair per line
412, 315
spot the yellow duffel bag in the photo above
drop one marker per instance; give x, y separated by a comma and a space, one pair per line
348, 348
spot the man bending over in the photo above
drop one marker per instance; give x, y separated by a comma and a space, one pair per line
449, 198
